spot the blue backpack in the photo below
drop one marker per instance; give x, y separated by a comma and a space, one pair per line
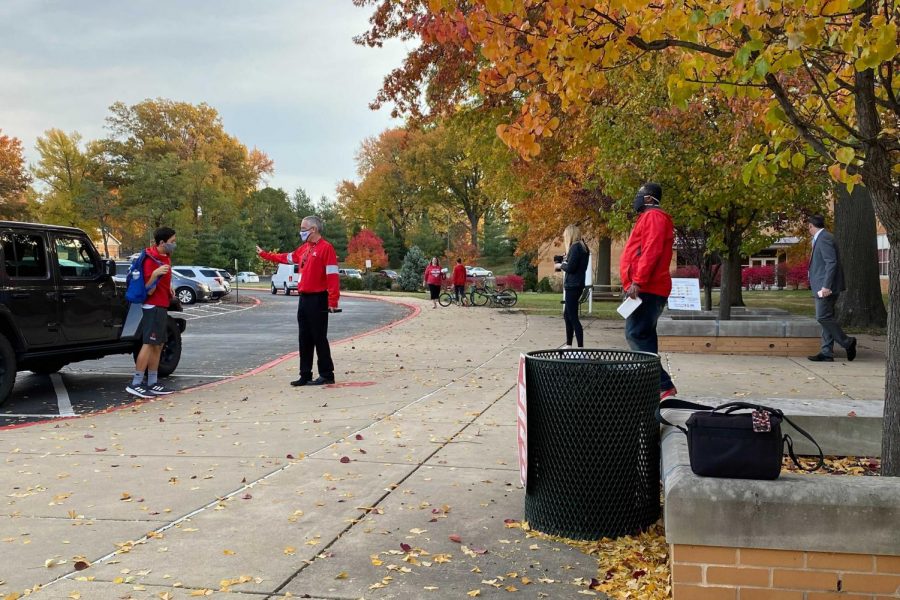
137, 290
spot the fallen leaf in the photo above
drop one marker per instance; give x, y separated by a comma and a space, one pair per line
455, 538
341, 575
473, 593
345, 459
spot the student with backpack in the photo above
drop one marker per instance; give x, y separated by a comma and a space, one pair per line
150, 284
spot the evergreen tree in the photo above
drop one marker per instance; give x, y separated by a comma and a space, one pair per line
414, 264
302, 204
393, 245
496, 242
526, 269
427, 239
335, 226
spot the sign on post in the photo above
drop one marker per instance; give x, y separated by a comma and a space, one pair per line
685, 294
522, 424
368, 263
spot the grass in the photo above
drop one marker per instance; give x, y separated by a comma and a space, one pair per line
796, 302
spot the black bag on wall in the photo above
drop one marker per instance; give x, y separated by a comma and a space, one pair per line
723, 442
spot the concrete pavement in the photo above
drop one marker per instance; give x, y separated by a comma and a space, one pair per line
265, 490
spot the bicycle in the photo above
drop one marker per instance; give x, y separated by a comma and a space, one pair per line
504, 297
448, 297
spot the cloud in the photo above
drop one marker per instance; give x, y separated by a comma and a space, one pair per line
285, 75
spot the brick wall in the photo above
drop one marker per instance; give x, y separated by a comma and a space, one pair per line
716, 573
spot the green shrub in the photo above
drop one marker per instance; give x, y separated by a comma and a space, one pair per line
544, 286
413, 269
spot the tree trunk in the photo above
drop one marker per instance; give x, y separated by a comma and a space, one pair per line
473, 228
735, 282
604, 259
731, 272
861, 305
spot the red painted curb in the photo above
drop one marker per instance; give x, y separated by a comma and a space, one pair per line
414, 312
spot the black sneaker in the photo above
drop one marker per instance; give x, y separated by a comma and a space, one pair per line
158, 389
322, 380
140, 390
300, 382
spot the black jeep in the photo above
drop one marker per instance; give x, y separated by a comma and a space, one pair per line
59, 304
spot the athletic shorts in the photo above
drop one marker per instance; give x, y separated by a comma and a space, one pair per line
153, 325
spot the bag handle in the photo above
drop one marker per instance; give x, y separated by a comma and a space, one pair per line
676, 404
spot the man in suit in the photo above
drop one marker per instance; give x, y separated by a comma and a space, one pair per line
826, 281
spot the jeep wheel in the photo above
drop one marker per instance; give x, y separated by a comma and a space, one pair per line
47, 367
171, 352
185, 295
7, 368
274, 289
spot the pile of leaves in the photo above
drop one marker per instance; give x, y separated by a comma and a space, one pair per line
837, 465
630, 567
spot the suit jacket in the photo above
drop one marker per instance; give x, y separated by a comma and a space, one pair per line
825, 265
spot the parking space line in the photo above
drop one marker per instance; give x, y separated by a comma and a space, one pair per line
30, 416
62, 396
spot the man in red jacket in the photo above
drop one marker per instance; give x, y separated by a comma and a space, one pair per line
459, 281
320, 289
644, 269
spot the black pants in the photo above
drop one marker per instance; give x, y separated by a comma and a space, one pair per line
570, 316
312, 317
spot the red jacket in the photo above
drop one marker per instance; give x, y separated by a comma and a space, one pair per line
162, 293
318, 268
459, 275
433, 275
648, 253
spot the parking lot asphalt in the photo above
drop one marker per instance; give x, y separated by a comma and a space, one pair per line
223, 339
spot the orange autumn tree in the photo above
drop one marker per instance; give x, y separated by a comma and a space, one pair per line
363, 246
824, 70
14, 179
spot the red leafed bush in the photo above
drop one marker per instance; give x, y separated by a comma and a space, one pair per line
515, 282
797, 275
686, 272
753, 276
692, 272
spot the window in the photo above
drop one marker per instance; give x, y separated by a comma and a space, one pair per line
24, 255
185, 272
209, 273
75, 258
122, 269
884, 253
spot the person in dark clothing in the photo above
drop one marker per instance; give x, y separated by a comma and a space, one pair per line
575, 265
826, 280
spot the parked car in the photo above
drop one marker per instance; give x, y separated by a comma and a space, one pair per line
226, 279
59, 304
390, 274
206, 275
354, 273
247, 277
286, 278
187, 290
478, 272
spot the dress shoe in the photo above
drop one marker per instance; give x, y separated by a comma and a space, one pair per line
321, 381
851, 349
299, 382
821, 358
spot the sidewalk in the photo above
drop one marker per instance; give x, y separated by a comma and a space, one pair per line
355, 491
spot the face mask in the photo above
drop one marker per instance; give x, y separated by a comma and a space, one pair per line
304, 235
169, 247
638, 204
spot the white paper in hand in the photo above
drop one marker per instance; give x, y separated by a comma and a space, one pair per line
628, 306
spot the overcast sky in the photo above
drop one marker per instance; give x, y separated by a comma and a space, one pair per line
284, 75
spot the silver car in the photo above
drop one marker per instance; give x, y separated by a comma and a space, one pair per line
207, 275
187, 290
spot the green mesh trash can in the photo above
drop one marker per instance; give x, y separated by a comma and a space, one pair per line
593, 442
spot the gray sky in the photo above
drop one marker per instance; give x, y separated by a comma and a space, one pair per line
284, 75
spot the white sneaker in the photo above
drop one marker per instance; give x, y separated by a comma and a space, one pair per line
565, 347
